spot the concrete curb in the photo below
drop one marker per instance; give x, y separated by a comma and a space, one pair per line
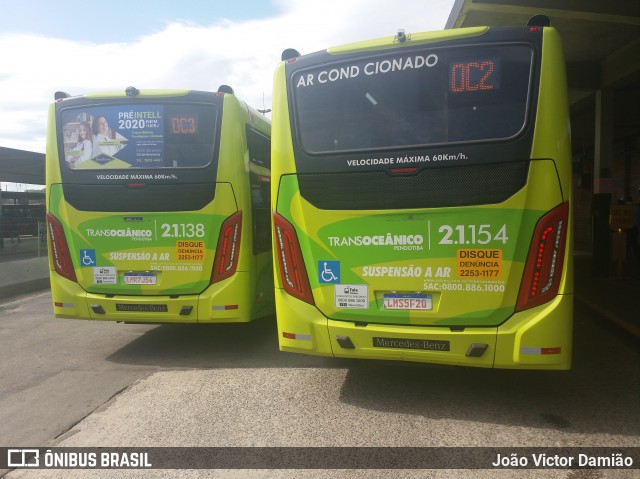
23, 276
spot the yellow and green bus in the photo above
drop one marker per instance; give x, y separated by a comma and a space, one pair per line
158, 207
422, 199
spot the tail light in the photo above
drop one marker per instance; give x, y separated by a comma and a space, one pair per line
228, 249
292, 271
543, 270
60, 249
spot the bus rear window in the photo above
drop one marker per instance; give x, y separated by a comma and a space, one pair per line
141, 135
413, 98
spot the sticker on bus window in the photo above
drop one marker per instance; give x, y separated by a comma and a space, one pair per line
352, 296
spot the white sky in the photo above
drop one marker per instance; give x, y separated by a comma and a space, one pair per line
81, 47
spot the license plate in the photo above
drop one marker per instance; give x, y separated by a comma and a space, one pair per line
413, 302
139, 278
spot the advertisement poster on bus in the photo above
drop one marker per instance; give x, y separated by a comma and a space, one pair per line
114, 136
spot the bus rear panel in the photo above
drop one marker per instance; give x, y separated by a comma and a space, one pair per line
422, 200
152, 208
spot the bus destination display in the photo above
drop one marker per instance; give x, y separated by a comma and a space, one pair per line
184, 125
474, 75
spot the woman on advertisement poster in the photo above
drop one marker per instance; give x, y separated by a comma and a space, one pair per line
84, 148
106, 141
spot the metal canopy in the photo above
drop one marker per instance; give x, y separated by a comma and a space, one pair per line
601, 38
19, 166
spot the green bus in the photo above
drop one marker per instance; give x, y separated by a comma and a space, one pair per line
422, 199
158, 207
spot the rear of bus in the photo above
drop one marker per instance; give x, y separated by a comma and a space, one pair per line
422, 190
150, 209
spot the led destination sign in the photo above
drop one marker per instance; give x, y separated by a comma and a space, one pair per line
474, 75
184, 125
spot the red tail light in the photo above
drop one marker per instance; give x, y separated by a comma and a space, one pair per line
228, 249
292, 270
60, 249
542, 273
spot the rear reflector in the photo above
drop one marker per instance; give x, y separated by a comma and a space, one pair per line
543, 270
224, 307
302, 337
228, 249
292, 270
541, 351
63, 305
60, 249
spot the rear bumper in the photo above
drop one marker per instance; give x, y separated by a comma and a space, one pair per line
538, 338
231, 300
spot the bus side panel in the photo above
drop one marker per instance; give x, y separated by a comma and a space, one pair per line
309, 335
230, 300
245, 296
52, 173
552, 137
283, 162
254, 289
538, 338
69, 299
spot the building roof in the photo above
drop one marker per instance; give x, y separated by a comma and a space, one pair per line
601, 37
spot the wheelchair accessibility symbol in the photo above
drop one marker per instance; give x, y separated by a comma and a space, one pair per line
329, 272
88, 257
